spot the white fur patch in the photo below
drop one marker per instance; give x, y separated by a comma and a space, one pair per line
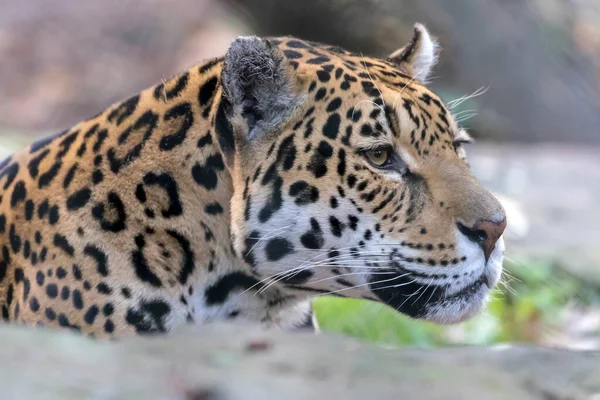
426, 55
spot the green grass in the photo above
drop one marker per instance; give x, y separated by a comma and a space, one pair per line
538, 292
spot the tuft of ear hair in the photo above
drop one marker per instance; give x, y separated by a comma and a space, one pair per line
419, 56
259, 84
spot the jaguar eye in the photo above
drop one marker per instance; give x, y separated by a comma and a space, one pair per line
378, 157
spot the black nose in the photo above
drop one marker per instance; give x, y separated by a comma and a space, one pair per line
486, 233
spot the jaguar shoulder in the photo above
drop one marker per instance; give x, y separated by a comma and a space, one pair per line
245, 186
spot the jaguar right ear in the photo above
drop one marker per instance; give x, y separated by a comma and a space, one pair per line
419, 56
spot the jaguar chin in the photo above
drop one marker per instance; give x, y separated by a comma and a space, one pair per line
444, 296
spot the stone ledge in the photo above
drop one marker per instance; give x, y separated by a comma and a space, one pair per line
245, 362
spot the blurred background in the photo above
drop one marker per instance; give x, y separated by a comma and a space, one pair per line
530, 71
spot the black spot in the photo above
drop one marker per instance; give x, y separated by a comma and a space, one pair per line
304, 193
103, 288
43, 209
206, 175
19, 194
223, 129
26, 249
277, 248
65, 293
220, 290
320, 94
69, 176
52, 290
10, 294
318, 60
97, 177
323, 76
77, 272
274, 202
292, 54
183, 111
333, 202
187, 264
169, 185
332, 126
29, 206
367, 130
353, 222
61, 273
19, 275
318, 161
313, 239
146, 124
269, 175
287, 153
209, 64
99, 256
34, 304
109, 326
63, 321
150, 317
204, 140
334, 104
342, 162
50, 314
160, 93
213, 208
78, 199
250, 242
337, 227
10, 172
207, 91
140, 264
296, 44
39, 278
298, 277
53, 215
46, 178
62, 243
77, 299
90, 315
26, 288
14, 239
124, 110
108, 309
115, 203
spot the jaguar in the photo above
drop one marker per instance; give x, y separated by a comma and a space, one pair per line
247, 185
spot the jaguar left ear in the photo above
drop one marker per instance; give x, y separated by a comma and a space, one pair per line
259, 85
419, 56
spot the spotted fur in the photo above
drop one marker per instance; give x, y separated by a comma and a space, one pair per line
240, 189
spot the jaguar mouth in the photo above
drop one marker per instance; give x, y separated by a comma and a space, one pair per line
433, 302
470, 290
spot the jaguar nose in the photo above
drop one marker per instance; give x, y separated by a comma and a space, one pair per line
485, 233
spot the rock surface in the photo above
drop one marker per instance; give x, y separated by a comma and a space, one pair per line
222, 362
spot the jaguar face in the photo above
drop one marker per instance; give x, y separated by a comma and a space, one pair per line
353, 182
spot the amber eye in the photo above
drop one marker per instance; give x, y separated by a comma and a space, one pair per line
378, 157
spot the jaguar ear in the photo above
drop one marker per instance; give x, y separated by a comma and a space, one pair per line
419, 56
260, 86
